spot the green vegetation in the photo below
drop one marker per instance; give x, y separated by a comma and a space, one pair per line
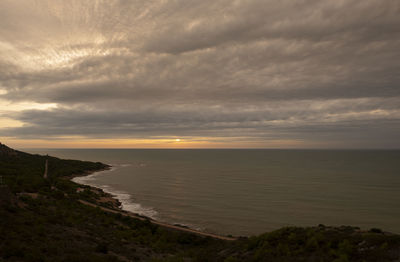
23, 172
42, 220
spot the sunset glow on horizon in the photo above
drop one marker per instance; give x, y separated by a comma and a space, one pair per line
209, 74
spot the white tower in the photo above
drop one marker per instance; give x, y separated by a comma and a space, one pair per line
45, 169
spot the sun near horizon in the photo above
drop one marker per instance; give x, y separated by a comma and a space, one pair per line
224, 74
173, 143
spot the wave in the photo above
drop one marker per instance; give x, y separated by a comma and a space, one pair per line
125, 198
128, 204
92, 177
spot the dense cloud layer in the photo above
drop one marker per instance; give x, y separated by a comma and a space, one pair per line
322, 72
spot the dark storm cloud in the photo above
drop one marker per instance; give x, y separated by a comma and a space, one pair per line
309, 70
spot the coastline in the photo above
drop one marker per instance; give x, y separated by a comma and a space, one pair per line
106, 197
117, 207
89, 172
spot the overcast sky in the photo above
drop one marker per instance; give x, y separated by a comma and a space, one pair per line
212, 73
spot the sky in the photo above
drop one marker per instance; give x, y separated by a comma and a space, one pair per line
200, 74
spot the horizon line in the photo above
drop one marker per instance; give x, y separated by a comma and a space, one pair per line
211, 148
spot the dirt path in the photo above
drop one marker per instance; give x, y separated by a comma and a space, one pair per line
125, 213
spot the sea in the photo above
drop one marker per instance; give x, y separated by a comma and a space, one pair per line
245, 192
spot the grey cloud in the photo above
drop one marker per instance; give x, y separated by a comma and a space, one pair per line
276, 120
225, 21
252, 69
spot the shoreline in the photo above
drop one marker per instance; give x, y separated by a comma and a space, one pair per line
106, 195
117, 207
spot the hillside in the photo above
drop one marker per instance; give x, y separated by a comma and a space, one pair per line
47, 220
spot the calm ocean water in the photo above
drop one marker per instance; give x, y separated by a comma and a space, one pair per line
248, 192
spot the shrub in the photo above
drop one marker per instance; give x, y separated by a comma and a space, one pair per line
102, 248
376, 230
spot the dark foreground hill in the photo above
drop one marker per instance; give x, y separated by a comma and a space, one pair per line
44, 219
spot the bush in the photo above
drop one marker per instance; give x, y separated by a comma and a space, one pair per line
376, 230
102, 248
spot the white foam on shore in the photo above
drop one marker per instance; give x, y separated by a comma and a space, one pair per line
87, 179
125, 198
128, 204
